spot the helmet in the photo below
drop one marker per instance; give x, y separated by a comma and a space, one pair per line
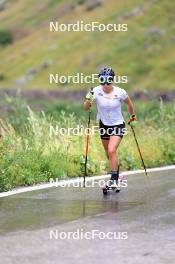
106, 75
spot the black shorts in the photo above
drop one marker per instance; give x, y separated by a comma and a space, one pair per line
107, 131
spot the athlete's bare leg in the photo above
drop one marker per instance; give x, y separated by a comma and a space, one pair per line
113, 144
105, 143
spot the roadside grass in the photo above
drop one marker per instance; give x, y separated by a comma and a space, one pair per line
30, 154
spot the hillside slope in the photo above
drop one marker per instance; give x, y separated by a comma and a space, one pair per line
145, 53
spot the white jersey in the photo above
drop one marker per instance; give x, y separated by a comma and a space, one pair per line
109, 105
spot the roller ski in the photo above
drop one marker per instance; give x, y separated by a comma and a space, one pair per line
112, 185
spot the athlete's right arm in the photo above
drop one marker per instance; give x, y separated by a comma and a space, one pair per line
87, 105
88, 100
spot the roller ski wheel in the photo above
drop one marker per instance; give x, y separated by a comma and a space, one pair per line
105, 191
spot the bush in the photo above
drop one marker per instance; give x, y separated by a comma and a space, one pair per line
6, 38
2, 77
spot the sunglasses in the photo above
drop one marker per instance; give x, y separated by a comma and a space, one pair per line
105, 80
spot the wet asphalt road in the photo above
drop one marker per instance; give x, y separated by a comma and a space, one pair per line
142, 217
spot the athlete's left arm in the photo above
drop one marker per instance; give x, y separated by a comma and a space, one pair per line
130, 106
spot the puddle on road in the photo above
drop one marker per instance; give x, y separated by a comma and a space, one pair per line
46, 208
40, 210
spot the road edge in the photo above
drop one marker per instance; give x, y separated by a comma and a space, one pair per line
77, 180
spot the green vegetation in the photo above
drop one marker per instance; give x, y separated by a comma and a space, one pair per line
145, 53
30, 155
5, 38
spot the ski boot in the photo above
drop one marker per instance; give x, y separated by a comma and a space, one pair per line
112, 183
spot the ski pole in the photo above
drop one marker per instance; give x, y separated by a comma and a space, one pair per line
143, 163
87, 145
87, 148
